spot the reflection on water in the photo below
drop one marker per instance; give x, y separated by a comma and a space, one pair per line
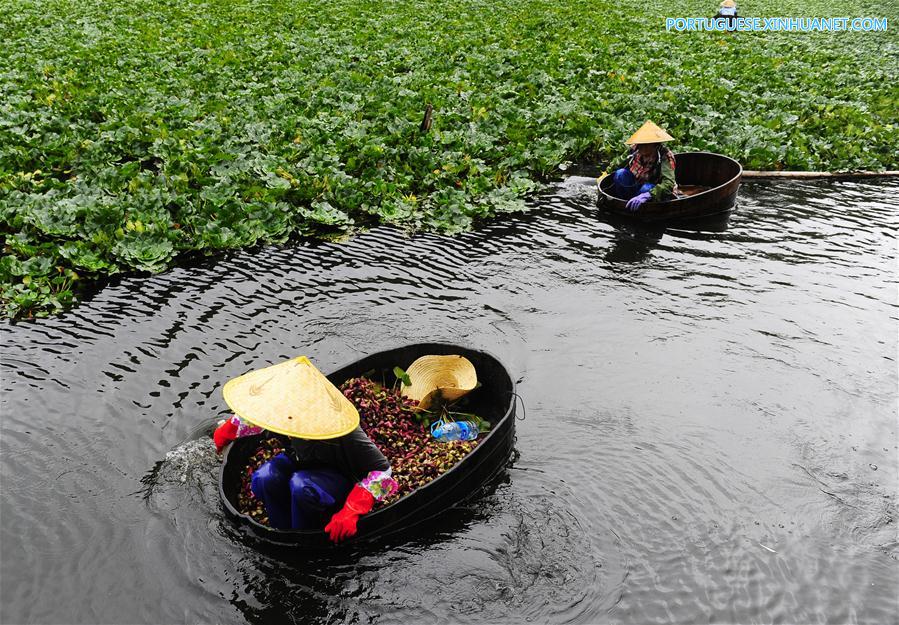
711, 431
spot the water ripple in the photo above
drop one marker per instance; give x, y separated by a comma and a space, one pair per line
711, 430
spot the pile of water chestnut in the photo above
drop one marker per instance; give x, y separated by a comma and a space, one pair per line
393, 424
247, 503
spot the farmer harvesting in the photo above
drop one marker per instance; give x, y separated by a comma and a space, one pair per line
332, 462
728, 11
647, 171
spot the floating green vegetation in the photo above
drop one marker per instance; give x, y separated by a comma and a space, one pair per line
133, 131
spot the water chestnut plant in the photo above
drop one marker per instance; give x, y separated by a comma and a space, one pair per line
132, 134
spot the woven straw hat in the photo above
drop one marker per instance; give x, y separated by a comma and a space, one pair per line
449, 377
292, 398
729, 4
649, 133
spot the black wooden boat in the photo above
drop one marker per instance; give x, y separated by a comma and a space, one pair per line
494, 400
712, 179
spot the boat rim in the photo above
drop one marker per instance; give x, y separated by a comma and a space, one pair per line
689, 197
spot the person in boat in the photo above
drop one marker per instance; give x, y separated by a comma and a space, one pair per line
646, 172
728, 11
333, 473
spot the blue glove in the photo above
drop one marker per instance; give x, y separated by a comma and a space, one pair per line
637, 201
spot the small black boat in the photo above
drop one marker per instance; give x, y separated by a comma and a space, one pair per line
712, 181
494, 400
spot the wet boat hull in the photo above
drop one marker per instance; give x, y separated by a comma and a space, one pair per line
721, 174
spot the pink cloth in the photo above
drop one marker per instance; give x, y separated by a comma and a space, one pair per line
245, 429
380, 484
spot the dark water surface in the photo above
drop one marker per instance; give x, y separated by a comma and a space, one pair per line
711, 430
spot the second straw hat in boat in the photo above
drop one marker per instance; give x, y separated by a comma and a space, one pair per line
450, 377
292, 398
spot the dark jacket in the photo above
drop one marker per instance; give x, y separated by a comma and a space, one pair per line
662, 175
354, 455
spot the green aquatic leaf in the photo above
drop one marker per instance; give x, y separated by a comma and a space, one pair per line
87, 258
37, 266
402, 376
144, 253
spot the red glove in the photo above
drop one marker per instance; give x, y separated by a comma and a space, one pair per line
224, 434
343, 523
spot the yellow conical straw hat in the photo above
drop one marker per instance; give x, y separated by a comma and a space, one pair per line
649, 133
450, 377
292, 398
729, 3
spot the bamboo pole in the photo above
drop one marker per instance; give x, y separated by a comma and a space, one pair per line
749, 173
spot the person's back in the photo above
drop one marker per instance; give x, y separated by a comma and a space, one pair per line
728, 11
354, 454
